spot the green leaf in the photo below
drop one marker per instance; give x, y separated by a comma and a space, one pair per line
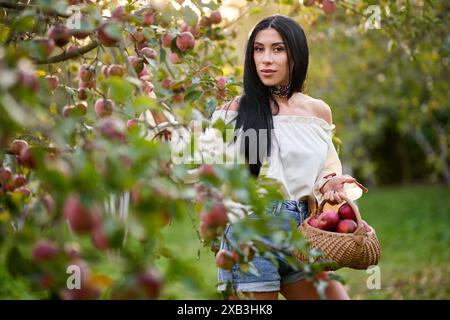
24, 23
255, 10
120, 90
142, 103
211, 105
17, 264
113, 30
192, 96
211, 5
189, 16
4, 33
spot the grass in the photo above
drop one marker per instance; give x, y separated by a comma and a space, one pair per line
412, 224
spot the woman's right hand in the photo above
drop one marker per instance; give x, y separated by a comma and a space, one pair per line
333, 190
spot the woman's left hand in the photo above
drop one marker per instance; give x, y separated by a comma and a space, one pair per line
333, 190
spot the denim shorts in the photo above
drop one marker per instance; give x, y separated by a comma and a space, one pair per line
271, 275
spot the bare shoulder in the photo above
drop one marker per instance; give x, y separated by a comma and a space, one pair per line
314, 107
232, 105
322, 110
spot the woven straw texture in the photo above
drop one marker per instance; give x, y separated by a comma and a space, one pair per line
357, 250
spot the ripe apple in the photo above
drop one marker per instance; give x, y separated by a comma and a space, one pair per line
67, 111
328, 220
328, 6
144, 75
206, 232
132, 124
17, 146
221, 82
115, 70
185, 41
166, 83
99, 239
86, 72
28, 79
224, 260
207, 171
44, 251
80, 108
313, 222
137, 63
166, 40
148, 18
46, 46
215, 17
216, 217
53, 81
26, 158
19, 180
148, 53
175, 58
60, 34
105, 37
83, 93
5, 174
150, 282
113, 129
346, 226
104, 107
346, 212
80, 217
87, 85
120, 13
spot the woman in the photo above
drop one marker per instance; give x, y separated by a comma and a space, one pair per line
297, 150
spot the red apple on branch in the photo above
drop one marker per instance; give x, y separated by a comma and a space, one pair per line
224, 259
79, 217
185, 41
60, 34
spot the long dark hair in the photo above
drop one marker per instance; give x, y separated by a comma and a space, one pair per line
254, 105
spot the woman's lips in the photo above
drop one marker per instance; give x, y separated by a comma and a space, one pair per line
267, 73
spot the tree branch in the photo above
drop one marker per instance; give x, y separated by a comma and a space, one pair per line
21, 6
69, 55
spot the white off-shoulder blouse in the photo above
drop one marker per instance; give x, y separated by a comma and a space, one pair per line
302, 156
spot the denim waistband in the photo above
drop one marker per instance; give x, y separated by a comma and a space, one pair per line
276, 206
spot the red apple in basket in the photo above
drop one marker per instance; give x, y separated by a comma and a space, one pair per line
313, 222
346, 212
328, 220
346, 226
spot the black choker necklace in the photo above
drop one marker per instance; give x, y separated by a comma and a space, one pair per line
280, 91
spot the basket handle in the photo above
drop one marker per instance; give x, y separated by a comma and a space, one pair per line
350, 203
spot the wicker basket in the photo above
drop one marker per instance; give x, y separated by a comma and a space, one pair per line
357, 250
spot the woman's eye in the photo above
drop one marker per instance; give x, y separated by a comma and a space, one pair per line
279, 49
258, 49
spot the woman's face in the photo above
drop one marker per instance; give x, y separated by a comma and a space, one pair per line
271, 58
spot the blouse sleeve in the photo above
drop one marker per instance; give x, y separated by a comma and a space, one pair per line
332, 167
